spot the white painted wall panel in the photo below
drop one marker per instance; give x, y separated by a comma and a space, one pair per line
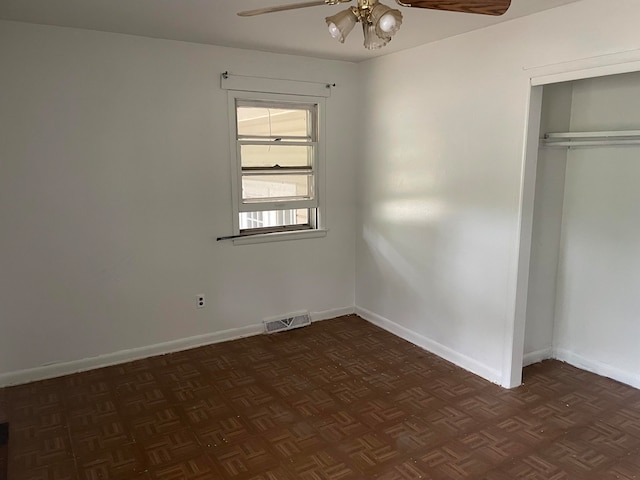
444, 129
115, 183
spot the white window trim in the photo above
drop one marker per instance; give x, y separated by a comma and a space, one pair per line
280, 236
246, 83
320, 229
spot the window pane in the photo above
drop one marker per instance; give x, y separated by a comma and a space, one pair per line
274, 218
272, 155
269, 187
273, 122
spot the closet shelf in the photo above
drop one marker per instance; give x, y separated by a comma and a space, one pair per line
591, 139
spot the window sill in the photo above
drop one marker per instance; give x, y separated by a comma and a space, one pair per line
280, 236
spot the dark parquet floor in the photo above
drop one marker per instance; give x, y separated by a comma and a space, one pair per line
339, 400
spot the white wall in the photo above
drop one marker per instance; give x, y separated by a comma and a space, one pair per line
547, 225
439, 193
598, 307
115, 182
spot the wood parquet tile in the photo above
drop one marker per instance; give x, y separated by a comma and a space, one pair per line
339, 400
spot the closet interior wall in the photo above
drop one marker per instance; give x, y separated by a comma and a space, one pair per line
547, 224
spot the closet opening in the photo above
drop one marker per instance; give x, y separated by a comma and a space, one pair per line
579, 264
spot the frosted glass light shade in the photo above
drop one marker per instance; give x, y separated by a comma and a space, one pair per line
334, 31
371, 39
387, 23
341, 24
386, 20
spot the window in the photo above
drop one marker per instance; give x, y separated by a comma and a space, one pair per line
276, 169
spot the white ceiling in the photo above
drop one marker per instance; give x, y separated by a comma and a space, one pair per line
300, 32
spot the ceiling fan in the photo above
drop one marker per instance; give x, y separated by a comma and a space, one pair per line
379, 22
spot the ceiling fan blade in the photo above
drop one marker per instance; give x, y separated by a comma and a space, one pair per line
282, 8
483, 7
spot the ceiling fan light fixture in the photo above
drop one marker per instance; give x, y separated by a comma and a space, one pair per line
386, 20
341, 24
380, 22
371, 39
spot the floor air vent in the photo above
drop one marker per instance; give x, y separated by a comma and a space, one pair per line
295, 320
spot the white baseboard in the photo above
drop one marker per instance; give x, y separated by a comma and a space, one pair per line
65, 368
432, 346
537, 356
122, 356
333, 313
596, 367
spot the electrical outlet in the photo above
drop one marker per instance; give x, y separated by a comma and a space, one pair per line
200, 302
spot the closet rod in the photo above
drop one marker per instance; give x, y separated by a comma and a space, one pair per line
594, 135
592, 139
592, 143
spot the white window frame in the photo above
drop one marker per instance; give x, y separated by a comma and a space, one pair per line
316, 204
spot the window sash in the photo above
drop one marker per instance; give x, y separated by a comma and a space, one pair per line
257, 171
259, 220
311, 110
315, 127
275, 142
284, 203
281, 228
278, 169
288, 139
